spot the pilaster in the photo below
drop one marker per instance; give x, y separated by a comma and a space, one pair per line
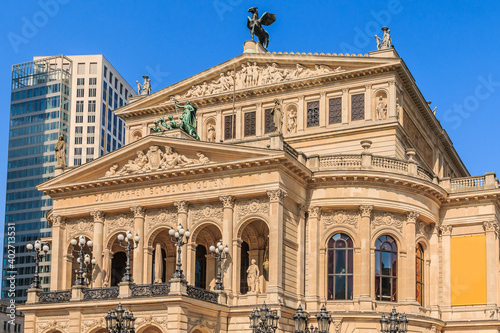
300, 114
58, 224
365, 231
345, 106
491, 229
446, 231
227, 238
323, 109
98, 246
392, 99
301, 239
182, 219
410, 272
138, 268
368, 102
313, 257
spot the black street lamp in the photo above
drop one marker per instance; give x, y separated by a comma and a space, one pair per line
219, 253
129, 246
82, 254
301, 319
264, 320
41, 251
177, 237
395, 323
120, 321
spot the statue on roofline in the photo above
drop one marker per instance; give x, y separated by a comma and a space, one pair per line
385, 42
187, 120
255, 25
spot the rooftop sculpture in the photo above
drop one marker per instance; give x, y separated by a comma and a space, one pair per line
255, 25
145, 88
187, 119
385, 42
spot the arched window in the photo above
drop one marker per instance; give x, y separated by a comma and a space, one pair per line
340, 267
118, 264
420, 274
386, 269
201, 267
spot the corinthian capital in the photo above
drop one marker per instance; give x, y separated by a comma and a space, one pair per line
446, 230
182, 206
138, 211
366, 210
315, 212
276, 195
56, 220
98, 215
227, 201
412, 217
491, 226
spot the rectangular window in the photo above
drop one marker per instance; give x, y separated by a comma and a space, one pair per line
249, 123
110, 78
335, 110
92, 92
228, 121
78, 161
121, 88
90, 129
79, 119
116, 83
93, 68
80, 81
80, 92
91, 119
269, 121
92, 81
105, 71
81, 68
79, 129
78, 140
89, 159
90, 151
91, 106
78, 151
79, 106
313, 114
126, 93
358, 107
90, 140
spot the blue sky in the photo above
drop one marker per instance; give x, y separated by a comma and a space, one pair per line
451, 47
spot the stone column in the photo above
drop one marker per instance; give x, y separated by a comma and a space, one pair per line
301, 240
190, 253
313, 257
238, 121
323, 109
392, 99
258, 120
446, 231
98, 246
236, 254
492, 229
411, 270
276, 198
57, 252
300, 114
219, 126
147, 274
139, 252
366, 278
368, 102
227, 239
345, 106
211, 272
182, 219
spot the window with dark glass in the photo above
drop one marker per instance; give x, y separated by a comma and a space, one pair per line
335, 110
420, 274
228, 123
312, 114
249, 123
269, 126
386, 269
244, 264
358, 107
201, 267
340, 267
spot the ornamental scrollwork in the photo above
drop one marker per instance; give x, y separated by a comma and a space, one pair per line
54, 323
227, 201
74, 227
164, 217
87, 324
252, 206
422, 229
446, 230
491, 226
56, 220
199, 212
388, 219
366, 210
182, 206
138, 211
412, 217
315, 212
339, 217
120, 221
98, 215
150, 319
276, 195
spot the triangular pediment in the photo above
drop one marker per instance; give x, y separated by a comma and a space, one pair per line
256, 72
154, 155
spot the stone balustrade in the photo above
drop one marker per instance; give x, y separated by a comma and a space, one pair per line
473, 183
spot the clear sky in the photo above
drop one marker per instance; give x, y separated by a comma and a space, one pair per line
452, 48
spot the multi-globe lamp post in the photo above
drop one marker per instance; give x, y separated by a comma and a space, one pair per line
129, 246
177, 237
41, 251
220, 253
394, 323
264, 320
301, 319
120, 321
83, 258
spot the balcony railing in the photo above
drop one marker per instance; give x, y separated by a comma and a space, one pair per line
340, 161
149, 290
202, 294
100, 293
54, 296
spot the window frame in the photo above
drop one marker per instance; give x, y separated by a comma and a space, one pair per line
331, 261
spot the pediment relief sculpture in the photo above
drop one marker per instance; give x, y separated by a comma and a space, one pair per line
155, 160
252, 74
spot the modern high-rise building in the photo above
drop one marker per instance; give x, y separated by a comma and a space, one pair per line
73, 96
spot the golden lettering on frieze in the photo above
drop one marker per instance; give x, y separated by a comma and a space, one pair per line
162, 190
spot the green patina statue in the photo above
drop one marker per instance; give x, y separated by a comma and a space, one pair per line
187, 120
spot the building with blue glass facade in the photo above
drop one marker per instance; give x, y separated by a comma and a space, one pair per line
73, 96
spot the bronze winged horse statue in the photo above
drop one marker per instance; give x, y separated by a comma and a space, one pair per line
255, 25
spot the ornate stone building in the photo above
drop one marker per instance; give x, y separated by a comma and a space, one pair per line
358, 201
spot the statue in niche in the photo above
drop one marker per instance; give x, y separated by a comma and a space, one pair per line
60, 152
381, 109
253, 274
210, 132
277, 116
134, 165
292, 121
384, 42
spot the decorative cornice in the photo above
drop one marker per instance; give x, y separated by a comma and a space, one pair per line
276, 195
412, 217
182, 206
366, 210
315, 212
227, 201
138, 211
98, 215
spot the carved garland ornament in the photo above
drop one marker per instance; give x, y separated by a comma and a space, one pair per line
331, 217
388, 219
164, 216
252, 206
74, 227
202, 322
120, 221
200, 212
53, 323
149, 319
227, 201
88, 324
